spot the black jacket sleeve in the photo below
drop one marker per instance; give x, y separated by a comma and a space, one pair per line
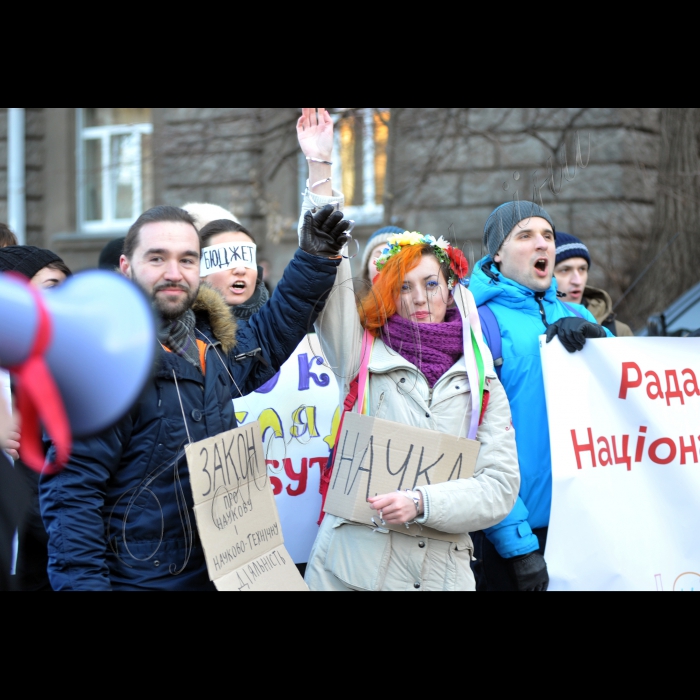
279, 327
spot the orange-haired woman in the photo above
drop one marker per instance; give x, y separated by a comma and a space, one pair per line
426, 367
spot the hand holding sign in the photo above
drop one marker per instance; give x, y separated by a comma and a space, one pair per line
325, 233
397, 508
573, 333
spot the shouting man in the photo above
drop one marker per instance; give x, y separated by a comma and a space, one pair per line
517, 295
119, 516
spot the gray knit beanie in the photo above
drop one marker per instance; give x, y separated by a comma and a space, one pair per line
506, 218
378, 237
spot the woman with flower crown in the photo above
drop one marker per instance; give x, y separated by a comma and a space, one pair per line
417, 339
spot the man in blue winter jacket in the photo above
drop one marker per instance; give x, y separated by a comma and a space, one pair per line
517, 294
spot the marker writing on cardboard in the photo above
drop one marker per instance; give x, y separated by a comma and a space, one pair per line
253, 541
249, 574
414, 464
229, 468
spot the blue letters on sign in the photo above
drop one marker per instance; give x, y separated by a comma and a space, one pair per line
306, 375
269, 386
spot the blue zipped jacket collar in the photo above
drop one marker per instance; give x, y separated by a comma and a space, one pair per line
488, 284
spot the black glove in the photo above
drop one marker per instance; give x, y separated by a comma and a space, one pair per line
324, 233
530, 573
573, 332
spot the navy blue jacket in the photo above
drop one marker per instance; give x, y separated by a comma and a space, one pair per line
120, 515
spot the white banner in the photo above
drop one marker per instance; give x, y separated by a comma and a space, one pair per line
623, 416
296, 412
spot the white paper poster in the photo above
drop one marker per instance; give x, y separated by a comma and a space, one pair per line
625, 431
296, 412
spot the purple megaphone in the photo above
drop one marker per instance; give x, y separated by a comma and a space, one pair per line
102, 345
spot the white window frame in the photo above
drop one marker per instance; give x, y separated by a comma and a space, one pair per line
366, 214
109, 224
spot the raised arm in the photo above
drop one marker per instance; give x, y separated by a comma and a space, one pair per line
340, 331
315, 132
301, 295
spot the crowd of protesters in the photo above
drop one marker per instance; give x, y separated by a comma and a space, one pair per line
119, 516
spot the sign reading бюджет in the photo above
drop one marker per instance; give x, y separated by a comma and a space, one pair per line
236, 514
375, 457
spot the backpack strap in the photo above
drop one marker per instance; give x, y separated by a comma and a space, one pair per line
492, 333
574, 311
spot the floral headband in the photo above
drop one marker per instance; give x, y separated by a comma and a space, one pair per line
444, 251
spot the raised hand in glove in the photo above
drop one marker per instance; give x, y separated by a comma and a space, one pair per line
325, 233
573, 332
530, 573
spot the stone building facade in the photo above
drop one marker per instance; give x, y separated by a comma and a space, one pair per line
90, 171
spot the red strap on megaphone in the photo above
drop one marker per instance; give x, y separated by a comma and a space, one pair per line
38, 399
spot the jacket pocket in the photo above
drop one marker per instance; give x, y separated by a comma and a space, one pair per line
459, 569
359, 557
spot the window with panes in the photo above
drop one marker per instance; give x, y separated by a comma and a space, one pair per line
360, 161
115, 173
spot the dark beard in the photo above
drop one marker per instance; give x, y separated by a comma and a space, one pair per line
169, 311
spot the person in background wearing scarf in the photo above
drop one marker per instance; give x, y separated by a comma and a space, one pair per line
419, 377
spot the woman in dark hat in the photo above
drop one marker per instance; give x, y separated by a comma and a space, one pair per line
44, 269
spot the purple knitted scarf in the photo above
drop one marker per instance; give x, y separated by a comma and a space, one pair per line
432, 347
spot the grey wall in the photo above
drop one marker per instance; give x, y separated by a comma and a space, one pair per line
451, 168
607, 204
35, 127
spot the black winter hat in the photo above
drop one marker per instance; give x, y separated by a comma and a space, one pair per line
26, 259
111, 255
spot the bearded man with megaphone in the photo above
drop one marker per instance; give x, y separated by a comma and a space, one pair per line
119, 516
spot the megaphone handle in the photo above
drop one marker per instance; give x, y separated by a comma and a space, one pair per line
38, 399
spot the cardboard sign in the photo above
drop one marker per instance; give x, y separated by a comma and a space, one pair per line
274, 571
376, 457
228, 256
236, 514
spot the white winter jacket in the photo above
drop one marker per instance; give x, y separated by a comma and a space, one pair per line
349, 556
